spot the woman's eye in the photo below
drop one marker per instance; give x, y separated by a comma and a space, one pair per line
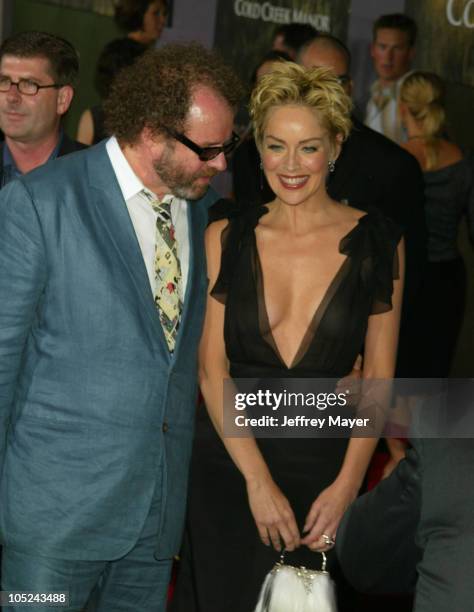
274, 147
310, 149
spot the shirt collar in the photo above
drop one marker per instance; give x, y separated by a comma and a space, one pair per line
129, 183
391, 89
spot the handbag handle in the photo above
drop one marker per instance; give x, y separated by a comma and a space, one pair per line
323, 564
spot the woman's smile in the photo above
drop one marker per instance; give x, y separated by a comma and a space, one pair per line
293, 182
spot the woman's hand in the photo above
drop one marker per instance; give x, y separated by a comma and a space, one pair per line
273, 515
325, 515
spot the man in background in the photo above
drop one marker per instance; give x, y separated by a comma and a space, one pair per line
38, 74
392, 50
290, 37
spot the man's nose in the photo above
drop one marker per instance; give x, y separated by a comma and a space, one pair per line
219, 162
13, 94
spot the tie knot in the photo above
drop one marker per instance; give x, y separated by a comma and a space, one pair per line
161, 207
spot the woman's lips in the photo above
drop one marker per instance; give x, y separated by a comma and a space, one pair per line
293, 182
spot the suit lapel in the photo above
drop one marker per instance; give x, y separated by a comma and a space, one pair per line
197, 218
192, 272
118, 227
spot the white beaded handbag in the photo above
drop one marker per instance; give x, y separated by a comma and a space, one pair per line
296, 589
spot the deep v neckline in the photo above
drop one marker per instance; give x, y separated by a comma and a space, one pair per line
319, 312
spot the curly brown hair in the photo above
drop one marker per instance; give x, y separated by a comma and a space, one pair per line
156, 91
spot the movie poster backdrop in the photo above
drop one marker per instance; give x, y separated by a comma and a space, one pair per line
244, 28
101, 7
445, 42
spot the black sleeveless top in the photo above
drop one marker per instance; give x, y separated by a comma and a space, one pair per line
362, 286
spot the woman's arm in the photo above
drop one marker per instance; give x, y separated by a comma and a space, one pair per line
379, 363
270, 508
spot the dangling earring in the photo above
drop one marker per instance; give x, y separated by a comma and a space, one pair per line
331, 165
261, 176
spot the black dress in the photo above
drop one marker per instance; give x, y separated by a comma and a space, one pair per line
223, 562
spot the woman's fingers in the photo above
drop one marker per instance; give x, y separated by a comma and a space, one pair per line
273, 516
283, 532
289, 533
275, 538
311, 518
262, 530
323, 543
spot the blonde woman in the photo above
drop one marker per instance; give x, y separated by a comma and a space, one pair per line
297, 287
448, 177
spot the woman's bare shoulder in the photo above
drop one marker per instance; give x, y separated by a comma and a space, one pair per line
213, 237
217, 227
349, 213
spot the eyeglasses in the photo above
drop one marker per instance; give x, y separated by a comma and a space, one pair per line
205, 153
24, 86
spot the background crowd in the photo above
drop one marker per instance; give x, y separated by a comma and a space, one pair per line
398, 158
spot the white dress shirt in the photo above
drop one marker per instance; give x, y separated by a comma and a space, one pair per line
143, 216
382, 113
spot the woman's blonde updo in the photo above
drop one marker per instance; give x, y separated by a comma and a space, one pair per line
423, 95
316, 88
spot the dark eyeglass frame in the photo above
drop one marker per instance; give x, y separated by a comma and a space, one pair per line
19, 85
205, 154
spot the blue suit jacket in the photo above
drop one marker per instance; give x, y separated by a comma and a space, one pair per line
95, 414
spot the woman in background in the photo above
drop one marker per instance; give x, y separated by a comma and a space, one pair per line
448, 176
297, 288
143, 21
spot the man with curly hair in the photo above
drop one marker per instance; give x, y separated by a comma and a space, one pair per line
102, 286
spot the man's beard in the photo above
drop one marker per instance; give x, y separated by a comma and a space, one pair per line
181, 183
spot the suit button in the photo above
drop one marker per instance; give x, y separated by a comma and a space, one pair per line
164, 427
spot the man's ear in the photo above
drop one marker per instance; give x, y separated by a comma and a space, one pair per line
153, 142
150, 138
65, 96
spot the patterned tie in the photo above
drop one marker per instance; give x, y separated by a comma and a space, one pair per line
167, 271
